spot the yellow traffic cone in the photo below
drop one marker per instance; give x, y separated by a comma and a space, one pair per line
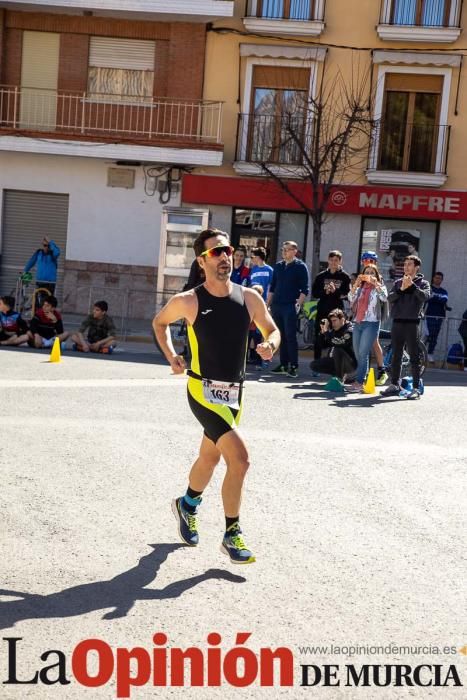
370, 386
55, 355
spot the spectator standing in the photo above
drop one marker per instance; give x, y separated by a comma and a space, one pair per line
336, 333
13, 328
101, 331
240, 272
435, 312
46, 259
369, 257
260, 273
331, 288
289, 288
407, 299
46, 325
368, 297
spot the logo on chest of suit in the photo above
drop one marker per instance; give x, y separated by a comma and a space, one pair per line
207, 311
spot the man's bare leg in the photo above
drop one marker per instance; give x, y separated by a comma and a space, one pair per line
203, 468
185, 507
235, 453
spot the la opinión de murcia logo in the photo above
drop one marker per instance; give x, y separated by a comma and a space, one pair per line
161, 666
94, 663
338, 198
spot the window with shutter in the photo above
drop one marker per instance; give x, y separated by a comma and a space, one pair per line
121, 69
278, 113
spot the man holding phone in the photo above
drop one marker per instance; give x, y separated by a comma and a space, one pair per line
336, 333
46, 259
407, 299
330, 288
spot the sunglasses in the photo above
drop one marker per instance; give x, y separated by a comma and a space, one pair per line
217, 251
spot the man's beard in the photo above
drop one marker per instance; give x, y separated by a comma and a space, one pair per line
223, 274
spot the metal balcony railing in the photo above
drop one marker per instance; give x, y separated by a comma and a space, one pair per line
270, 138
421, 13
98, 115
305, 10
421, 148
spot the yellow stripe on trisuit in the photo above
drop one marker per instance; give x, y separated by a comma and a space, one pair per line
193, 340
195, 387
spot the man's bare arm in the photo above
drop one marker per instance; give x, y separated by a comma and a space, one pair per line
180, 306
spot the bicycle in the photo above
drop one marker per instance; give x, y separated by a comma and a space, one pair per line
24, 294
385, 335
306, 325
28, 298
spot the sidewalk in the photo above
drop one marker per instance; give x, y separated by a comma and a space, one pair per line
134, 329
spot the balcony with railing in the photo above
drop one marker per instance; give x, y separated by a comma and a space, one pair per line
409, 154
275, 140
436, 21
148, 122
288, 17
186, 10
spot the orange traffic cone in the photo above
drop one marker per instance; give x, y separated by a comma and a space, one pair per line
370, 386
56, 355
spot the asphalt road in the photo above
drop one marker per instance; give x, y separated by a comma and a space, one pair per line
354, 506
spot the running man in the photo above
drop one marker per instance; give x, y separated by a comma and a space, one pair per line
218, 315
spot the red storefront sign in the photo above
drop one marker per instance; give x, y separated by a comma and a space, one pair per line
258, 193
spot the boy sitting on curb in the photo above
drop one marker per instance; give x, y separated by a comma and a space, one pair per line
100, 328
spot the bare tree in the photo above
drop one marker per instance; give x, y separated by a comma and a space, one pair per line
323, 138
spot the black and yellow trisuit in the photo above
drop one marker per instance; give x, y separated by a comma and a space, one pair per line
218, 342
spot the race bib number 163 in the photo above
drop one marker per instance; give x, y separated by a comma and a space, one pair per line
225, 393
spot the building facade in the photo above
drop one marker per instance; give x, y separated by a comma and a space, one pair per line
101, 112
410, 194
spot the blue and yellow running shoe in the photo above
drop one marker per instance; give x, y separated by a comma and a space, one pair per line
187, 525
235, 548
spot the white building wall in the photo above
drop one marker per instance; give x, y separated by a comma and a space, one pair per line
341, 232
452, 262
106, 224
221, 217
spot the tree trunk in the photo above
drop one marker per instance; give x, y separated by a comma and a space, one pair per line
317, 234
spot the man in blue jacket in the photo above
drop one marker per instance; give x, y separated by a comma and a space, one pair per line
435, 312
289, 288
46, 259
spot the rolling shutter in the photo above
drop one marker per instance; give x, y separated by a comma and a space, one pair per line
409, 82
27, 218
132, 54
281, 77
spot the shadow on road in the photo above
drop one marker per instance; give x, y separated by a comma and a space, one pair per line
339, 399
151, 357
119, 593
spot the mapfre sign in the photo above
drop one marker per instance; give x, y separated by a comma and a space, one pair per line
406, 203
436, 204
384, 202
